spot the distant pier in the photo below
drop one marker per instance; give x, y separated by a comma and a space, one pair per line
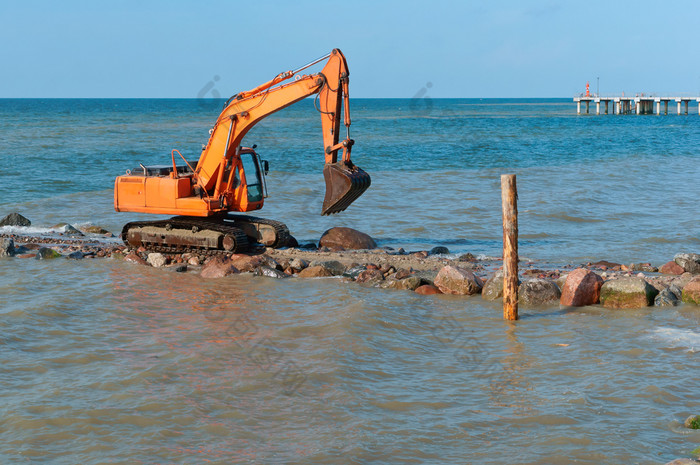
638, 105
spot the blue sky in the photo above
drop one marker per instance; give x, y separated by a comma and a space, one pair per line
496, 48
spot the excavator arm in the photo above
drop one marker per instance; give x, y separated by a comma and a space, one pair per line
345, 182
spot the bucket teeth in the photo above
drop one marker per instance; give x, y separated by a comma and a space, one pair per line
345, 182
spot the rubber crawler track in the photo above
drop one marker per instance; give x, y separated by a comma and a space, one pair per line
225, 225
241, 240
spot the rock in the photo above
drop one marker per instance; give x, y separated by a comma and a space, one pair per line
247, 263
690, 262
668, 297
67, 229
683, 462
7, 247
643, 267
402, 273
135, 258
218, 267
194, 261
410, 284
692, 422
317, 271
181, 268
308, 246
467, 257
455, 280
346, 239
427, 289
94, 230
156, 259
493, 288
45, 253
15, 219
77, 255
333, 266
370, 276
671, 268
354, 272
298, 264
291, 242
26, 255
604, 264
439, 250
269, 272
691, 291
582, 287
632, 292
537, 292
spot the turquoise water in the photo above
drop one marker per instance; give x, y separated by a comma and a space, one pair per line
108, 362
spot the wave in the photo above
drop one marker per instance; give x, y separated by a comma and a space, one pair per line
683, 338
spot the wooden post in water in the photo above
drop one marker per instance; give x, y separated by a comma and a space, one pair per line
509, 201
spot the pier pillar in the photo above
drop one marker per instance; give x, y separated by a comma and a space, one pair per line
617, 107
698, 100
665, 107
597, 107
637, 106
606, 106
679, 106
578, 107
686, 107
588, 104
658, 107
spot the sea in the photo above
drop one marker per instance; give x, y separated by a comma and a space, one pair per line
103, 361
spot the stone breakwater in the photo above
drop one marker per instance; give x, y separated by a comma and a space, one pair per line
436, 271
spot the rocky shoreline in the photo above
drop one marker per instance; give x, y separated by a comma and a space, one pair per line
353, 256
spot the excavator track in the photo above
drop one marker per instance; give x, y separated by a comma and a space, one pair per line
270, 233
205, 236
182, 234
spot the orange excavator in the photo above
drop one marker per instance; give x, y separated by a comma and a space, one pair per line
231, 178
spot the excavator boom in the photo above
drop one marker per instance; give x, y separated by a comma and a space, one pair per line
345, 182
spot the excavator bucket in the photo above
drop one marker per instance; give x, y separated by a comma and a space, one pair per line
345, 182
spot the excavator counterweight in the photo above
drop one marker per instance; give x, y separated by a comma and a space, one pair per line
229, 177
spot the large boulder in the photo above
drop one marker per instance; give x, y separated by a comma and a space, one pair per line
92, 229
218, 268
15, 219
317, 271
7, 247
46, 253
629, 292
133, 257
157, 259
270, 272
538, 292
582, 287
456, 280
691, 291
493, 288
346, 239
427, 289
248, 263
690, 262
410, 284
67, 229
370, 277
671, 268
668, 297
333, 266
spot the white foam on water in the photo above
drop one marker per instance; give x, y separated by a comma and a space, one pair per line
678, 337
29, 230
